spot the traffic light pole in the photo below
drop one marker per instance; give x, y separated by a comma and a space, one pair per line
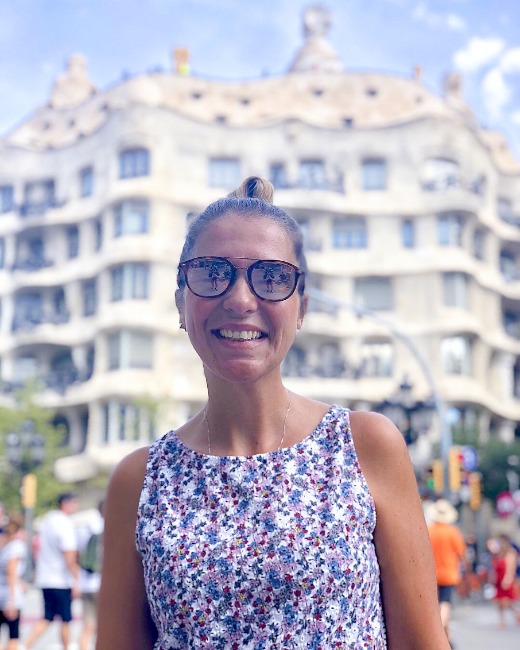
438, 402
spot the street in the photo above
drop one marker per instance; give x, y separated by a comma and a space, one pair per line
474, 627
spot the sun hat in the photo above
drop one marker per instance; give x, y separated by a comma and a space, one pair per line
442, 512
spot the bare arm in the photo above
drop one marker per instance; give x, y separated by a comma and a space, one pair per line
71, 560
12, 581
124, 619
401, 538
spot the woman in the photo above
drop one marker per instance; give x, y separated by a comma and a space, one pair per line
505, 562
256, 520
13, 558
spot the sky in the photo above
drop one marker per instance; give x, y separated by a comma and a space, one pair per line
245, 39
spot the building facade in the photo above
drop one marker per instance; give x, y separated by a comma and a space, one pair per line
410, 210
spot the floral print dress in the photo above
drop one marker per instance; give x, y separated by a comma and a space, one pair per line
261, 552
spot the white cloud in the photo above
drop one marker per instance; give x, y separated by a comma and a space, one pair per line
423, 14
510, 61
478, 53
496, 92
455, 22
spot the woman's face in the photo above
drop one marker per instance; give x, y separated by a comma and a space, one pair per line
210, 322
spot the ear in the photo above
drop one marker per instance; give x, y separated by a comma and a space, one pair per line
179, 302
304, 301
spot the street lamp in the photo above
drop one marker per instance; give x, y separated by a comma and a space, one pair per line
411, 417
25, 450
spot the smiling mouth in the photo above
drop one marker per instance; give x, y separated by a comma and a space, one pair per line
243, 335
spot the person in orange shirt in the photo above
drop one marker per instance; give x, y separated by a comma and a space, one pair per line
449, 549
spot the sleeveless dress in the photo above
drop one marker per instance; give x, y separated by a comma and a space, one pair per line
261, 552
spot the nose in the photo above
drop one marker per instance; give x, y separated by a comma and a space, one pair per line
240, 299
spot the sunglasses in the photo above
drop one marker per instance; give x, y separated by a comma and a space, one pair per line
212, 277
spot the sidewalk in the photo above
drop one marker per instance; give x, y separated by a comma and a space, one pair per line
475, 627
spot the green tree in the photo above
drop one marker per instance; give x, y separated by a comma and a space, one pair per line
11, 420
494, 456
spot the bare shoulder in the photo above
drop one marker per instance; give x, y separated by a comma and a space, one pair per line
381, 451
127, 479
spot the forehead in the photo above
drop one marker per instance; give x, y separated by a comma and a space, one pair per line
235, 235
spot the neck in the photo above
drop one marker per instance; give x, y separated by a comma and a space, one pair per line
247, 420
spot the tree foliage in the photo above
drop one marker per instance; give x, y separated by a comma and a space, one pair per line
12, 420
496, 460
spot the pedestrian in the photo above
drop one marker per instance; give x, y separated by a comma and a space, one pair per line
90, 544
253, 525
449, 553
13, 562
504, 563
57, 569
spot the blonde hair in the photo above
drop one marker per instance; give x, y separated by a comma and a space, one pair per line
252, 199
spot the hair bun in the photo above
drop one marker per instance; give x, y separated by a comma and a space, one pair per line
254, 187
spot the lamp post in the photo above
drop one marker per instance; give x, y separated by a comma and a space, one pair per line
25, 450
437, 401
411, 417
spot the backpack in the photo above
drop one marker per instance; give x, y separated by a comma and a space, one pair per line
90, 557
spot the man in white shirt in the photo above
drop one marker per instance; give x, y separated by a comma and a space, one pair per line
57, 569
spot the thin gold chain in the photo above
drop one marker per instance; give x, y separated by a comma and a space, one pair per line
283, 431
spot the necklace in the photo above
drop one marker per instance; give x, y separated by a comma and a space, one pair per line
283, 430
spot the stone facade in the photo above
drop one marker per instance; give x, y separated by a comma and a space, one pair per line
409, 209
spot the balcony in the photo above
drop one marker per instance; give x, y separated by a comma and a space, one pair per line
37, 209
31, 264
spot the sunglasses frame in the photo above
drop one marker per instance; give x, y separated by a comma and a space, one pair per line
183, 266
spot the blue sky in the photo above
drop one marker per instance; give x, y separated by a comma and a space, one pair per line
243, 39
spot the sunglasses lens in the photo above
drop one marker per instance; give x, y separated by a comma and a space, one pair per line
273, 280
208, 277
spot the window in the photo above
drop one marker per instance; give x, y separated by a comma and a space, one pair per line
127, 422
504, 209
508, 266
331, 362
224, 172
6, 198
440, 174
295, 363
456, 290
25, 369
130, 349
86, 182
450, 229
312, 174
479, 244
130, 282
2, 252
89, 297
61, 314
278, 175
373, 293
28, 311
134, 162
373, 174
408, 233
377, 359
38, 197
131, 218
456, 355
72, 242
511, 322
98, 234
349, 232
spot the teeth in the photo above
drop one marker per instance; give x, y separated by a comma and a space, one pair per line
245, 335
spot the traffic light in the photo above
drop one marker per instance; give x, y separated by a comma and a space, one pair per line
455, 469
475, 490
29, 485
438, 476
